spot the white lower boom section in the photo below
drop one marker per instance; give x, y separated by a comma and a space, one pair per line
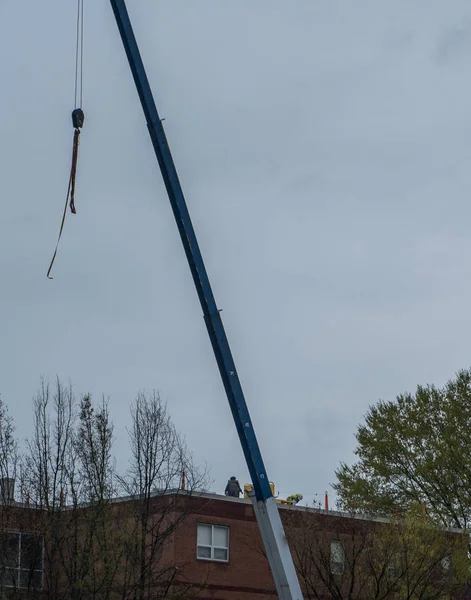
277, 549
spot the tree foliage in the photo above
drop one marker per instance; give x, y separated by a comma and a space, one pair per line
412, 451
358, 558
413, 560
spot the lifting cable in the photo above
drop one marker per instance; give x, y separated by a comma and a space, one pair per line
77, 122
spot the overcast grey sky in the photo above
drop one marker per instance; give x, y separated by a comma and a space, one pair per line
324, 150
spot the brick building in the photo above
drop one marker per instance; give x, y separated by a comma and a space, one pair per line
213, 550
220, 545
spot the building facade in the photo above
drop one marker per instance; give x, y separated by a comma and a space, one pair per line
208, 546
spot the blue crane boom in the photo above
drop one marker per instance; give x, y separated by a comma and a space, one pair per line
266, 510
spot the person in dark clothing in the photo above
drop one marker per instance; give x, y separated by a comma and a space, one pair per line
233, 488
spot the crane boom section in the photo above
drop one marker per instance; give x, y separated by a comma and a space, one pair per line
266, 509
211, 313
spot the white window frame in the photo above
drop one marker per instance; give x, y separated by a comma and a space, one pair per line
334, 569
18, 570
213, 547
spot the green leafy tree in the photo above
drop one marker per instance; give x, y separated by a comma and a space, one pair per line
354, 557
413, 560
412, 451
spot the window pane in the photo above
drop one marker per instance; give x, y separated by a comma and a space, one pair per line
31, 552
9, 549
337, 557
10, 578
220, 554
30, 579
204, 552
221, 535
204, 535
336, 551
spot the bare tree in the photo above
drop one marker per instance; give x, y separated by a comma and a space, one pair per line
50, 460
69, 475
47, 471
93, 548
9, 456
93, 444
9, 459
328, 551
89, 543
159, 462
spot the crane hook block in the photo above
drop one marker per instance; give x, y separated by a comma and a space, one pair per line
78, 118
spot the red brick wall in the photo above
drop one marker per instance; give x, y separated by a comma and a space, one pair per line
247, 574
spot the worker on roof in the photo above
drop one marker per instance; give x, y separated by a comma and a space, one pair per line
233, 488
295, 498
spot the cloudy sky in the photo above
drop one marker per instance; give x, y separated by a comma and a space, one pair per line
324, 149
